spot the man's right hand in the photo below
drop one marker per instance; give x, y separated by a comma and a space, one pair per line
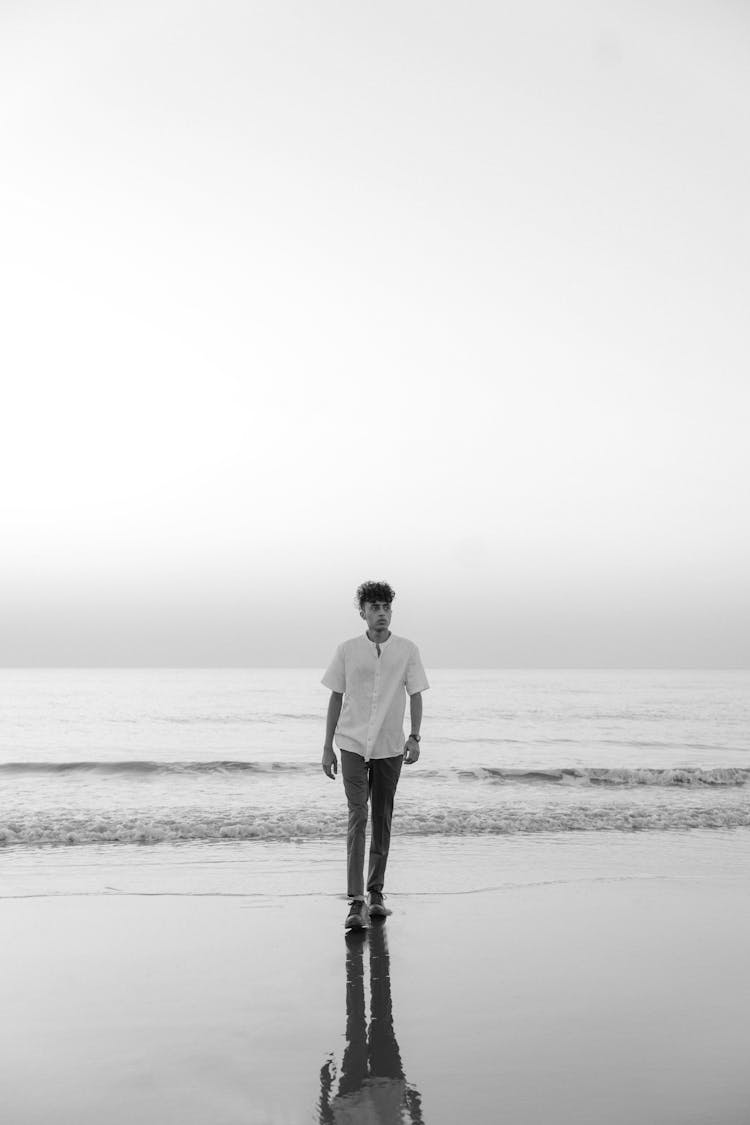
330, 763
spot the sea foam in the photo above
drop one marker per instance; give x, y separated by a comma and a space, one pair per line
60, 829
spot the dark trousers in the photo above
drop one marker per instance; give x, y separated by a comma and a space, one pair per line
376, 781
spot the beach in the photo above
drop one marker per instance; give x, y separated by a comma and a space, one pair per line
521, 980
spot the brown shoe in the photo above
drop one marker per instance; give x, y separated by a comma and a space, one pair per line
377, 907
358, 917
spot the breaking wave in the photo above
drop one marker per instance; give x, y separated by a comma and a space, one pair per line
682, 776
131, 768
686, 776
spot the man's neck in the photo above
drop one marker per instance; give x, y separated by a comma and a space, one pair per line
379, 636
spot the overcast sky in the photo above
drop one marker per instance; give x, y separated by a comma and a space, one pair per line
299, 294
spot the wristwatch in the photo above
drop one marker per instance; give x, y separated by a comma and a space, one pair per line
415, 737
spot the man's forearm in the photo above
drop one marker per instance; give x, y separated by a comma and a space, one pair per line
415, 706
334, 711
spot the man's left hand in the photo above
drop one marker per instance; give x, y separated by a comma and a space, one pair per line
411, 751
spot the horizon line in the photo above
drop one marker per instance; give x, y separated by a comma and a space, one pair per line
435, 667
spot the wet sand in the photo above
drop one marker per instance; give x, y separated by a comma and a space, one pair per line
616, 992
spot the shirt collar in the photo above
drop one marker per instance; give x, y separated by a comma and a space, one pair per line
381, 643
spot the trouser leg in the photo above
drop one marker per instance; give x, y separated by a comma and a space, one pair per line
384, 775
354, 773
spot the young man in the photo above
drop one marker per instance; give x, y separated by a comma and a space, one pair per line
369, 675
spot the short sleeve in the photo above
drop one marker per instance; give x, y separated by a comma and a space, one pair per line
335, 675
416, 680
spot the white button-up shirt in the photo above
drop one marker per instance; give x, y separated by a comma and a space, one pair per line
372, 717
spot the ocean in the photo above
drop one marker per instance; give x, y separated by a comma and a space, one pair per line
143, 757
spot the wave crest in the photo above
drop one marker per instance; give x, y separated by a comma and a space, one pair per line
681, 776
230, 765
729, 776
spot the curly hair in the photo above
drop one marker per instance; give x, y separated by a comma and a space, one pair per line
374, 592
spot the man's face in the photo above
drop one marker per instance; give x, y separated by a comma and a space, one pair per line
377, 615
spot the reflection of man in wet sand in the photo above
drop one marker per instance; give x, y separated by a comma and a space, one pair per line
372, 1087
